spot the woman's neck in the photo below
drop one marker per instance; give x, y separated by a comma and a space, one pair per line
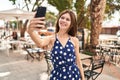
62, 35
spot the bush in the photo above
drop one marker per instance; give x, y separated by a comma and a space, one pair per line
88, 53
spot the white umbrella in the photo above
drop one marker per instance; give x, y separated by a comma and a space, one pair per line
17, 14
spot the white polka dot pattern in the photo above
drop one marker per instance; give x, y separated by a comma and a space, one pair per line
63, 59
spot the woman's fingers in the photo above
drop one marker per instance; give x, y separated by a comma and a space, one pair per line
37, 23
37, 26
39, 18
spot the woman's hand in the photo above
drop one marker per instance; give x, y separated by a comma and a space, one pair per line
36, 24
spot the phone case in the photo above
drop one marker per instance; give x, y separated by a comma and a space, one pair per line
41, 11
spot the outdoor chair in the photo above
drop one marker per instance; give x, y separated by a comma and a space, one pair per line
114, 55
86, 63
48, 60
34, 53
95, 69
4, 47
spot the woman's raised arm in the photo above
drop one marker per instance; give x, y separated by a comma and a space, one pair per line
35, 25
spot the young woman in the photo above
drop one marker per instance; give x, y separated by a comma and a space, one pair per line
63, 44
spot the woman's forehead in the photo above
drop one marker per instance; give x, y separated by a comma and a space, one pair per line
66, 15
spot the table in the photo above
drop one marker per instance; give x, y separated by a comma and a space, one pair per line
110, 52
108, 41
34, 53
84, 56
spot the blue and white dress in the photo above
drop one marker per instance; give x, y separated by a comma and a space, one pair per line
63, 59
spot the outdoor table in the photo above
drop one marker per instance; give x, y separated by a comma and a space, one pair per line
113, 54
29, 44
14, 44
84, 56
34, 53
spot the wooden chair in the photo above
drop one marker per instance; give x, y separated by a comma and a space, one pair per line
95, 69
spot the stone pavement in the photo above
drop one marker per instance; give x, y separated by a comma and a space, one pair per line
18, 68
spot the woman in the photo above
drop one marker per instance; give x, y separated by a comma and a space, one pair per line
63, 44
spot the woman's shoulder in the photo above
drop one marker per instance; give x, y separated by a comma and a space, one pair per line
51, 40
75, 39
51, 37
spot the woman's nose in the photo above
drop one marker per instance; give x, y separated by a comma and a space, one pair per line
64, 20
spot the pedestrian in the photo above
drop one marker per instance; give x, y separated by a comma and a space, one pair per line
64, 46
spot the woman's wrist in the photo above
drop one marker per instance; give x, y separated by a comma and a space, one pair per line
30, 29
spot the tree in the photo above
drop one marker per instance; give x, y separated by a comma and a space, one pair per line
81, 11
78, 6
30, 5
97, 9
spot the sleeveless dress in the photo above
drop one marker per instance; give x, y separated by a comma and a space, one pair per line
63, 60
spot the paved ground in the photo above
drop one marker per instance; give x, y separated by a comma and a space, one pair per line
18, 68
112, 71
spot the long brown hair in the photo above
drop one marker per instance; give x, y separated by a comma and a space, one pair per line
73, 26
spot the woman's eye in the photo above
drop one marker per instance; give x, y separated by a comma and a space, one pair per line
68, 19
62, 17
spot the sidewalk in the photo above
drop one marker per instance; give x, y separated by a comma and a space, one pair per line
21, 69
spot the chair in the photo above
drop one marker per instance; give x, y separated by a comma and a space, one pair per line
95, 69
4, 47
34, 53
48, 60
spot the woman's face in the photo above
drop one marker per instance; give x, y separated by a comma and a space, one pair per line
64, 21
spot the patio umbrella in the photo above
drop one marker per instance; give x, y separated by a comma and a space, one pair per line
17, 14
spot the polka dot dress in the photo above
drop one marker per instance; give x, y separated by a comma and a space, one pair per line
63, 59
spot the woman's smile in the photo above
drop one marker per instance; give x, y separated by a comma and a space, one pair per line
64, 21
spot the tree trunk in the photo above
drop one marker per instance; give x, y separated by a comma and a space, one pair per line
97, 8
23, 29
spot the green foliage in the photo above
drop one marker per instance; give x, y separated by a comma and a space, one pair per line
88, 53
80, 6
61, 4
13, 1
51, 18
11, 24
28, 4
112, 6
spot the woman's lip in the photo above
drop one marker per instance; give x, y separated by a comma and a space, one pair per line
63, 24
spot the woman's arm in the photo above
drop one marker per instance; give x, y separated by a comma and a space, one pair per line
78, 59
35, 25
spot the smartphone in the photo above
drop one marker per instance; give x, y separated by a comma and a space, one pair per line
41, 11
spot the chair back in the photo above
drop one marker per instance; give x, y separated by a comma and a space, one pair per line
97, 64
95, 68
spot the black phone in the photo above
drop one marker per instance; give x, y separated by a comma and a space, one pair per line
41, 11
